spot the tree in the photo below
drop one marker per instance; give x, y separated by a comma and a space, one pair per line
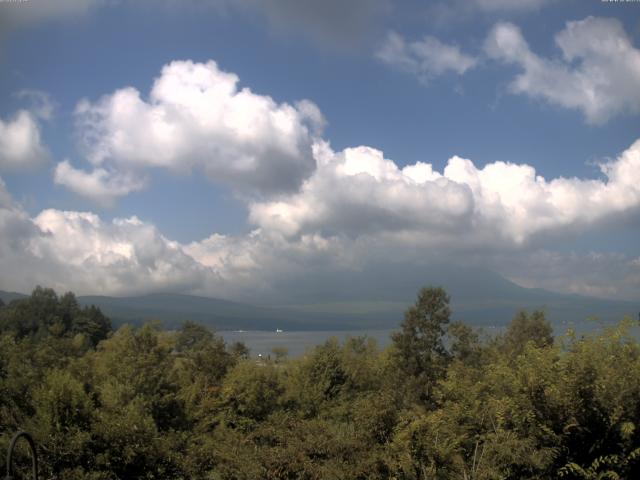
250, 393
62, 421
319, 378
44, 314
526, 328
239, 351
465, 343
420, 353
204, 352
192, 335
91, 322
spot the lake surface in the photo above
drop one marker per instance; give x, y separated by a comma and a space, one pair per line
298, 342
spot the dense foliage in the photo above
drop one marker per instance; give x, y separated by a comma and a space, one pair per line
441, 402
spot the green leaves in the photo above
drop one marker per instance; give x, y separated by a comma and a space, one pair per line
250, 394
146, 403
44, 314
420, 354
525, 328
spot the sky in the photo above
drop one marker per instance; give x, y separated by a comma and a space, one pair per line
265, 150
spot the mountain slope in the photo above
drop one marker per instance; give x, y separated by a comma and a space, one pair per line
7, 297
172, 309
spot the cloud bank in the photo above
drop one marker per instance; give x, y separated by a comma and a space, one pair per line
79, 251
358, 213
358, 191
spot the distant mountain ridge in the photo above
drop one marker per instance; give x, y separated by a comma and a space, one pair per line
172, 309
479, 297
7, 297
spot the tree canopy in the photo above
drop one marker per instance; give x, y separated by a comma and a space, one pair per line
443, 401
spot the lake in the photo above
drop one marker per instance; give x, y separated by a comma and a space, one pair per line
261, 342
298, 342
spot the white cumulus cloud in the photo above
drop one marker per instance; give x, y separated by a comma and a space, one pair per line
100, 185
360, 222
21, 146
598, 73
358, 191
79, 251
196, 116
125, 255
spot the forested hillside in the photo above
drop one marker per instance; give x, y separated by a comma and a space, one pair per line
443, 401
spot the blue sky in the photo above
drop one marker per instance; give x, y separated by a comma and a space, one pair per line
412, 81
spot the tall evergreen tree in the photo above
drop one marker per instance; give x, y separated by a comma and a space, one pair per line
420, 353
